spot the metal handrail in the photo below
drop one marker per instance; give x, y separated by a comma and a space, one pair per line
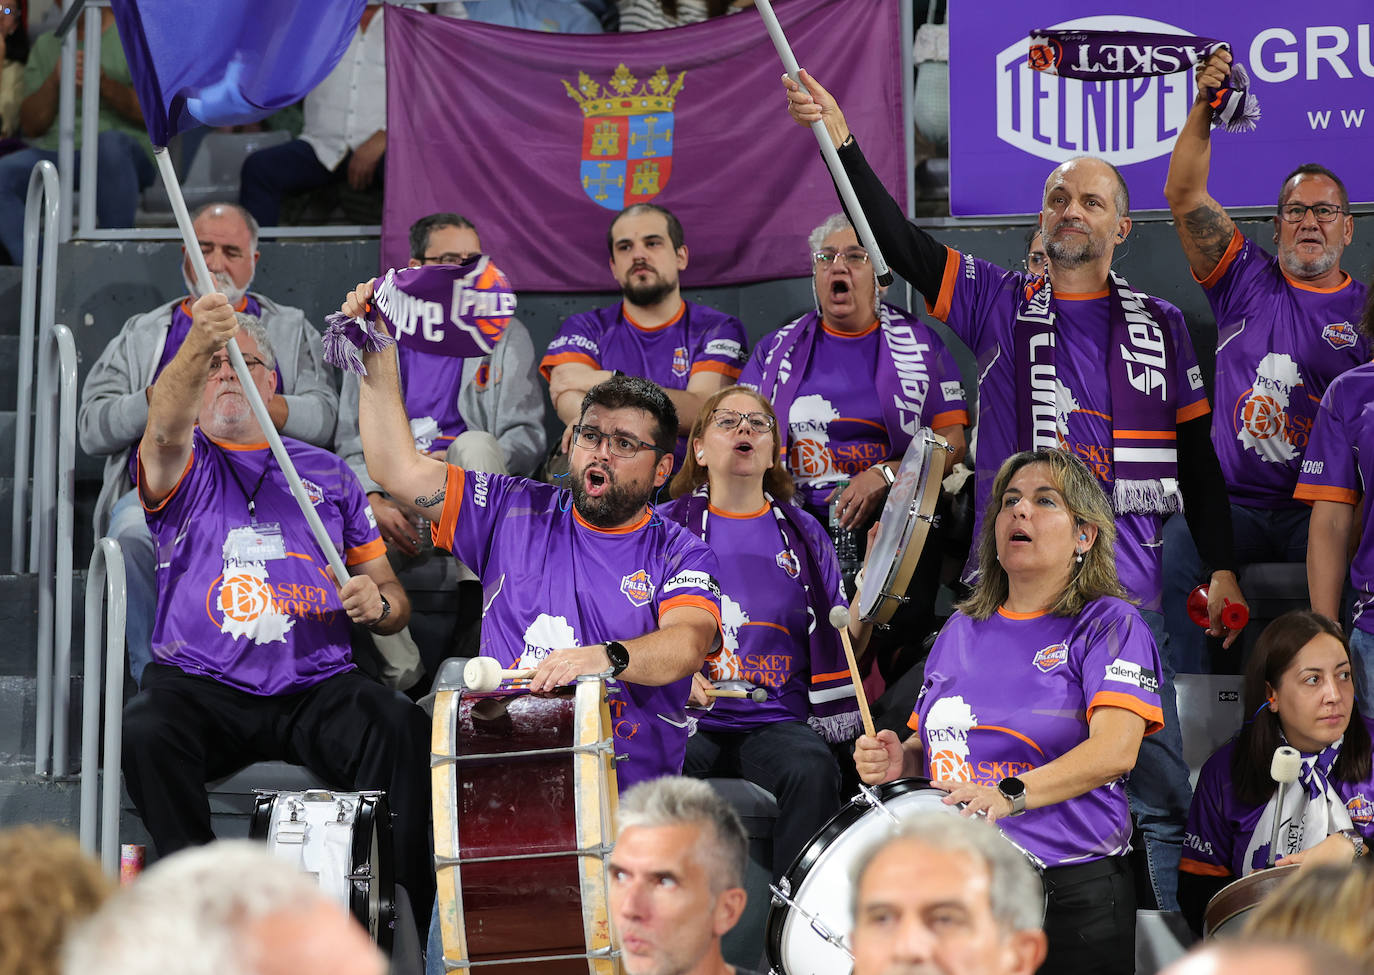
53, 490
104, 577
90, 122
37, 309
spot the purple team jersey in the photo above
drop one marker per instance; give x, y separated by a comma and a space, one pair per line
550, 581
1015, 692
1339, 466
266, 625
1280, 343
979, 302
835, 425
432, 384
1220, 826
180, 327
763, 611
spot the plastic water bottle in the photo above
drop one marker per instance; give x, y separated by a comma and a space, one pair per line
846, 543
1233, 615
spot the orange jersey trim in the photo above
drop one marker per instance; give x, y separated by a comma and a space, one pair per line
739, 517
677, 317
949, 418
1201, 408
1232, 249
849, 335
223, 445
710, 365
914, 722
643, 520
551, 362
1081, 295
1154, 717
940, 310
1201, 869
442, 533
1003, 611
365, 552
1320, 291
1323, 492
692, 600
163, 503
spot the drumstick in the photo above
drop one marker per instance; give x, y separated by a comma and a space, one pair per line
839, 619
758, 695
1284, 769
484, 674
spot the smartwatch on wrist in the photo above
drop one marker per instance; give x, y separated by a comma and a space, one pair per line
1014, 791
887, 473
618, 656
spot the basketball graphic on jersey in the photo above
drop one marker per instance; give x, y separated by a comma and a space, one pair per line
724, 663
245, 602
546, 634
809, 423
1261, 419
946, 729
425, 429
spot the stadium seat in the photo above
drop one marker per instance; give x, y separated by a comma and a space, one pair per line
1210, 712
214, 170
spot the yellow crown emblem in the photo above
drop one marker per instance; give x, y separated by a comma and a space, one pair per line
620, 96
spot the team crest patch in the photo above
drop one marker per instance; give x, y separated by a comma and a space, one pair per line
787, 562
627, 135
1340, 335
1361, 810
313, 491
680, 361
637, 587
1051, 657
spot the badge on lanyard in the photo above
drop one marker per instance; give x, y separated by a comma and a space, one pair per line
255, 543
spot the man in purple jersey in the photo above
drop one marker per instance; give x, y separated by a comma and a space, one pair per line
114, 400
689, 350
251, 645
1287, 325
1337, 473
1076, 358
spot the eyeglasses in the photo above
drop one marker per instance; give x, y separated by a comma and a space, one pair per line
217, 362
729, 419
450, 258
589, 438
1324, 212
856, 259
1036, 261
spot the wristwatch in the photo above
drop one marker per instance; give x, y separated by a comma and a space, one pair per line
1353, 835
386, 611
618, 656
887, 473
1014, 791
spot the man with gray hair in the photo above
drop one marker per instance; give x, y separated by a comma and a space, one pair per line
946, 894
252, 635
677, 878
114, 400
230, 907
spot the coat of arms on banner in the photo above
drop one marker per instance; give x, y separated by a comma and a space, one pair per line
627, 135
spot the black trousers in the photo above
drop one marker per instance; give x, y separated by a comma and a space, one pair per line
1090, 918
182, 730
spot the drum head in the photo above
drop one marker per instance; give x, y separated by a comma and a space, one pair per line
1226, 911
819, 878
906, 520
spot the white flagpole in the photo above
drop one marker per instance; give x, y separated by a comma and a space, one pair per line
207, 284
832, 158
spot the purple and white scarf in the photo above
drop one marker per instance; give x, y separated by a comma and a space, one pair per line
1144, 420
1314, 810
1114, 55
443, 309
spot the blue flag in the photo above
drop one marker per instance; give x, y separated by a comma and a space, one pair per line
228, 63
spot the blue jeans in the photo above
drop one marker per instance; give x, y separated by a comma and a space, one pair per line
1261, 535
1362, 656
1158, 787
277, 171
129, 527
123, 170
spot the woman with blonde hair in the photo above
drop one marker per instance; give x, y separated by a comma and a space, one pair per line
1037, 694
1329, 904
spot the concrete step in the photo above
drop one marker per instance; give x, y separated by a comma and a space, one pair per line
11, 291
19, 621
19, 722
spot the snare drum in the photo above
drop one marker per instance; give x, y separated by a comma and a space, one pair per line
906, 520
343, 839
818, 882
1227, 910
524, 807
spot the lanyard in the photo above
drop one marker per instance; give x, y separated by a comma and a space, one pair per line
252, 516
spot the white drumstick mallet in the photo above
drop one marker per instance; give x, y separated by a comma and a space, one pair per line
758, 695
839, 619
484, 674
1284, 768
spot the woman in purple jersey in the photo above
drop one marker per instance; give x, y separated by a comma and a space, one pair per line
1037, 694
1299, 691
778, 578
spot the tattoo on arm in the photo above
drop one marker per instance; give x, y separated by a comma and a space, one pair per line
435, 499
1211, 231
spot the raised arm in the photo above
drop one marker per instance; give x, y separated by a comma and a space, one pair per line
388, 447
1203, 227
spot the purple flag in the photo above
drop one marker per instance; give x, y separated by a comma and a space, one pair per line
541, 138
228, 63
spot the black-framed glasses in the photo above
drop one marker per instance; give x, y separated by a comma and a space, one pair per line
729, 419
217, 362
1324, 212
450, 258
827, 256
589, 438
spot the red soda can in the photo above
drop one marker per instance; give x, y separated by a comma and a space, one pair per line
1233, 615
131, 856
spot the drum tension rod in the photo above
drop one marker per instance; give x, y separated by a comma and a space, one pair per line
870, 798
596, 954
590, 852
816, 923
599, 747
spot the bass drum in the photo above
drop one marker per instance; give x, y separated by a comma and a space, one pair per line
818, 881
343, 839
1227, 910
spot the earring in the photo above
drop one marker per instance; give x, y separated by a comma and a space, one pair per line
701, 455
1078, 557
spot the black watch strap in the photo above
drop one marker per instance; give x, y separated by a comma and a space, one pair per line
386, 611
618, 656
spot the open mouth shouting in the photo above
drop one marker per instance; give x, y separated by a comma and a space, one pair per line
596, 481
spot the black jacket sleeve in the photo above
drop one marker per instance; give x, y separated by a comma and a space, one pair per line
1205, 503
911, 252
1194, 892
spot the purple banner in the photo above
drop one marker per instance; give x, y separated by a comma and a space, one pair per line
540, 138
1312, 73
